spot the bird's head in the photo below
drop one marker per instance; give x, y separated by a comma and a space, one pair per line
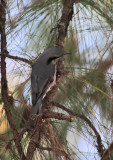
53, 54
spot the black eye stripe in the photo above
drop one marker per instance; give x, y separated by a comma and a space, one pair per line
51, 59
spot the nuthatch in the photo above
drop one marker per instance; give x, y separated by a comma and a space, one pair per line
43, 76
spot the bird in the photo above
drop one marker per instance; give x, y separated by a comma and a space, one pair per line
43, 76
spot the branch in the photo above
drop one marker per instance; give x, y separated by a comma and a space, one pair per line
66, 17
36, 126
107, 152
64, 21
8, 101
100, 146
56, 115
63, 25
16, 58
67, 13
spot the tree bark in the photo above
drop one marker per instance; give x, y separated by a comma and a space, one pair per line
7, 100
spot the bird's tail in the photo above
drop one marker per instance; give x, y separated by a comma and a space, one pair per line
37, 108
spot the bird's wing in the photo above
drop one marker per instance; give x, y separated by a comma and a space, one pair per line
39, 87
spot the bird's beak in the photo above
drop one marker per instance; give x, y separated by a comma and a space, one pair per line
65, 54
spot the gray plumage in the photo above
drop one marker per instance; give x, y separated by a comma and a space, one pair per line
42, 76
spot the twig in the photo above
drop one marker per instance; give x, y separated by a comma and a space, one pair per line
100, 146
16, 58
4, 88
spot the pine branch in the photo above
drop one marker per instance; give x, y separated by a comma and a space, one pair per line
62, 31
64, 21
8, 101
36, 126
100, 146
107, 152
16, 58
56, 115
63, 25
36, 130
